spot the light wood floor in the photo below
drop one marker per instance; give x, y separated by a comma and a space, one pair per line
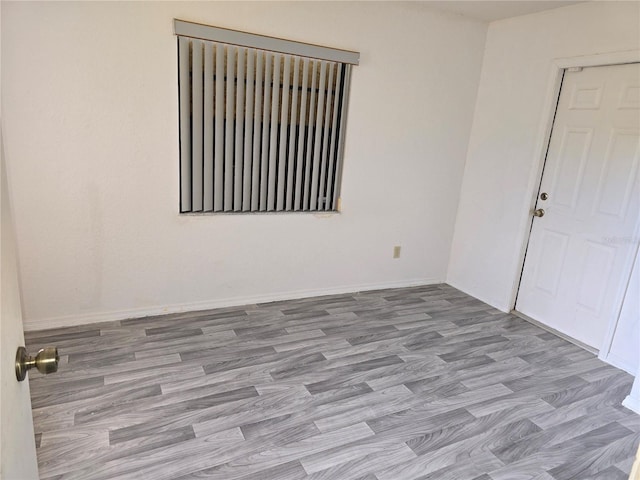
415, 383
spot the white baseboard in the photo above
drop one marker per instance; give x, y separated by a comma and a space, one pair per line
497, 305
557, 333
32, 324
632, 404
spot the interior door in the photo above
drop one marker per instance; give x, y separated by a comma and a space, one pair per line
17, 442
582, 245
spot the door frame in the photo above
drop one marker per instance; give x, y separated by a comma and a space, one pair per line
558, 67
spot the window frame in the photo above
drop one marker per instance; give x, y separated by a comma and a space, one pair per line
194, 176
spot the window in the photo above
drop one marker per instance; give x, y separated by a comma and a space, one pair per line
262, 122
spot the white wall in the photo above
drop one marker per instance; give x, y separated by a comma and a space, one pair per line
91, 134
504, 160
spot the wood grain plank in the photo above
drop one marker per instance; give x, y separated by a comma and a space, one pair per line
408, 383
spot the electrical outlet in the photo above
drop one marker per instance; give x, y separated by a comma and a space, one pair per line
396, 251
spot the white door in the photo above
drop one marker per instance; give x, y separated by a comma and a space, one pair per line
581, 251
17, 442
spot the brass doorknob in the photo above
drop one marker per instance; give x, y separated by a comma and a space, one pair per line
45, 361
539, 212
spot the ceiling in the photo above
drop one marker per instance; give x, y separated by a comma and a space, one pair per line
489, 11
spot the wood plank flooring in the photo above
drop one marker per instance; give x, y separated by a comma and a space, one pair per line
415, 383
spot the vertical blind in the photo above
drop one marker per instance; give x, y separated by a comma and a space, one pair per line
260, 130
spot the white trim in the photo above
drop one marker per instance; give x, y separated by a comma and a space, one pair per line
611, 359
98, 317
262, 42
599, 60
618, 362
607, 343
546, 125
632, 404
557, 333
